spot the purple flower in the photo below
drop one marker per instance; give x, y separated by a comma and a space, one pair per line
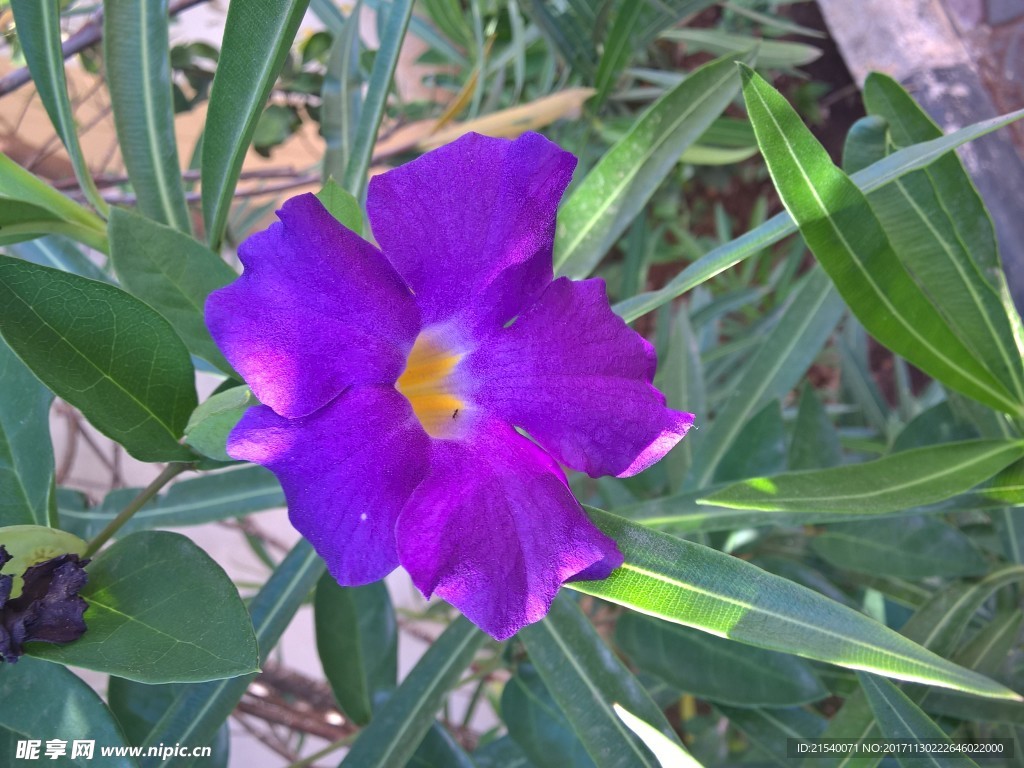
393, 381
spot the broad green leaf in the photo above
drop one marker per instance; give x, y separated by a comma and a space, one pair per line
771, 54
38, 24
715, 669
51, 702
199, 710
103, 351
908, 548
439, 750
898, 481
669, 752
849, 242
815, 443
900, 718
398, 728
357, 640
776, 228
865, 143
60, 253
137, 61
503, 752
240, 89
341, 205
142, 623
944, 235
341, 102
783, 356
538, 725
693, 585
395, 19
198, 500
600, 208
29, 208
172, 273
586, 678
210, 424
26, 453
138, 707
769, 728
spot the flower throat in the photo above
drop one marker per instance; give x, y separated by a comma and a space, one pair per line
425, 383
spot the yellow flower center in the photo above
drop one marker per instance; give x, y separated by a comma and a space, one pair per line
425, 383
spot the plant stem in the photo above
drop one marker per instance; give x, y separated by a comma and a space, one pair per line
344, 741
147, 493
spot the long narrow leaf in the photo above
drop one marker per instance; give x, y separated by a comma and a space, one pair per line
135, 52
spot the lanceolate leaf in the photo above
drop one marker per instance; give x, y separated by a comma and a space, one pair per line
26, 455
586, 678
618, 187
684, 582
199, 710
944, 235
396, 731
782, 225
135, 53
838, 224
669, 753
172, 273
38, 23
240, 89
59, 253
899, 481
103, 351
769, 728
142, 623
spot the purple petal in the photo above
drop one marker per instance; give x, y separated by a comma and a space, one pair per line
317, 309
494, 530
578, 379
346, 470
470, 226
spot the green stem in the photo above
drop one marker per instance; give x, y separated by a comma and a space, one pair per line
147, 493
334, 746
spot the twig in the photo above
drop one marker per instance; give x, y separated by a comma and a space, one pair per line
89, 35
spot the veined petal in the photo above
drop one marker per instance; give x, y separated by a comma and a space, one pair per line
316, 310
578, 379
346, 470
470, 226
494, 530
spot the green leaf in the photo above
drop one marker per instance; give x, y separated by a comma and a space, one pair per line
103, 351
586, 678
29, 208
936, 425
172, 273
760, 448
907, 548
142, 623
357, 640
341, 97
26, 454
775, 229
784, 354
395, 19
210, 424
944, 235
771, 54
865, 143
54, 703
815, 443
898, 481
900, 718
341, 205
138, 707
839, 226
598, 211
538, 725
59, 253
670, 753
240, 89
136, 57
195, 501
199, 710
618, 46
716, 669
693, 585
769, 728
439, 750
38, 24
398, 728
503, 752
